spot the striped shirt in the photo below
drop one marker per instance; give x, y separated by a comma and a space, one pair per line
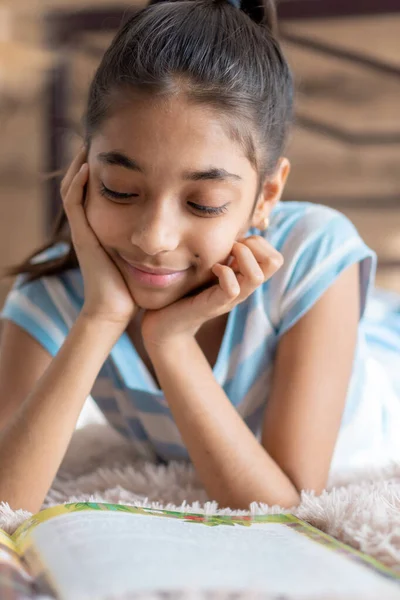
318, 244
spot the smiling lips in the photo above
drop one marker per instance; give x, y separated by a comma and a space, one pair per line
153, 277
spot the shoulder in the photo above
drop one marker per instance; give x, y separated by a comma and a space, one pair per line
65, 287
70, 279
55, 251
317, 243
48, 306
310, 236
295, 223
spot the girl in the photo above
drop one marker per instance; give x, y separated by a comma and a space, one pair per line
163, 293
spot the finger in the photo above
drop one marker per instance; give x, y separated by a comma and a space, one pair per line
268, 258
73, 205
73, 169
218, 298
227, 281
250, 273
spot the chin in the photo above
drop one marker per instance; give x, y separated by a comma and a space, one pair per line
154, 300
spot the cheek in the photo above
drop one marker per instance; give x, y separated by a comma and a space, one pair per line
216, 244
103, 219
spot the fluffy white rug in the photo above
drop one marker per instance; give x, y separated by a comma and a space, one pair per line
362, 510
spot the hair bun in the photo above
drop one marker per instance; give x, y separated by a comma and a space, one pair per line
262, 12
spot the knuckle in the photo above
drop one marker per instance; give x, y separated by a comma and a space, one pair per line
278, 260
234, 289
256, 278
232, 295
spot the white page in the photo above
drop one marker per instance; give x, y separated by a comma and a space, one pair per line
92, 555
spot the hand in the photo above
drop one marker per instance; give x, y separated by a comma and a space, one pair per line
254, 262
106, 295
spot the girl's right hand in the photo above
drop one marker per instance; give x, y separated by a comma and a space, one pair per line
106, 295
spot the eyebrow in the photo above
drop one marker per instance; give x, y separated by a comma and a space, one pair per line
122, 160
211, 174
119, 159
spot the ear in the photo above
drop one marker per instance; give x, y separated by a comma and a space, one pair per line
271, 193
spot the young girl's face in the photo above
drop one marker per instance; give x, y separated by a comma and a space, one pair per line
168, 189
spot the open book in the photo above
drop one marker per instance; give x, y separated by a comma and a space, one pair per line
103, 551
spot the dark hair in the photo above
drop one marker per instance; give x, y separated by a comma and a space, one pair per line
211, 52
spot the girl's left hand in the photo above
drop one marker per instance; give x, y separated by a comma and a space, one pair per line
254, 262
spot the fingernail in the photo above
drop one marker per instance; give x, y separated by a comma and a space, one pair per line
83, 167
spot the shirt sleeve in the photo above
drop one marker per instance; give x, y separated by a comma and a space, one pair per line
319, 247
41, 308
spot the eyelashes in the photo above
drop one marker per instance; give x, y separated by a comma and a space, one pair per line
119, 197
104, 191
209, 210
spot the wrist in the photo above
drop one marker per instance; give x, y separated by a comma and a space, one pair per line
105, 319
100, 324
171, 345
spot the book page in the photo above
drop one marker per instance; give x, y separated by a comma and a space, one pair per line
99, 554
15, 581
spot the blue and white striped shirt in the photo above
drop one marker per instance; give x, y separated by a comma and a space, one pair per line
317, 243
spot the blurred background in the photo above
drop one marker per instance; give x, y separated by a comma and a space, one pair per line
345, 147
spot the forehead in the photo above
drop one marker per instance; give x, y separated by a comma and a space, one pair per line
171, 130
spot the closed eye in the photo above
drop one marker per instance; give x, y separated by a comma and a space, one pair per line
203, 210
104, 191
209, 210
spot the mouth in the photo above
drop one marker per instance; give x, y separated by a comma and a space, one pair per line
153, 276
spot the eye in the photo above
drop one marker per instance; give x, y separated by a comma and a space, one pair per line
107, 193
209, 210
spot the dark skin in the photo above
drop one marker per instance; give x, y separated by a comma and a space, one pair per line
183, 158
161, 226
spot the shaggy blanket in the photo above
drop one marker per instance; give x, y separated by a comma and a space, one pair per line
361, 509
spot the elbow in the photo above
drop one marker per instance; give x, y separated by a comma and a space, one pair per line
309, 483
245, 504
242, 499
291, 501
25, 504
22, 501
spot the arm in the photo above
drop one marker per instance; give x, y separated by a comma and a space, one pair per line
23, 360
304, 411
305, 408
33, 443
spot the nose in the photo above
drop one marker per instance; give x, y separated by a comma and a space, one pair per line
156, 231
